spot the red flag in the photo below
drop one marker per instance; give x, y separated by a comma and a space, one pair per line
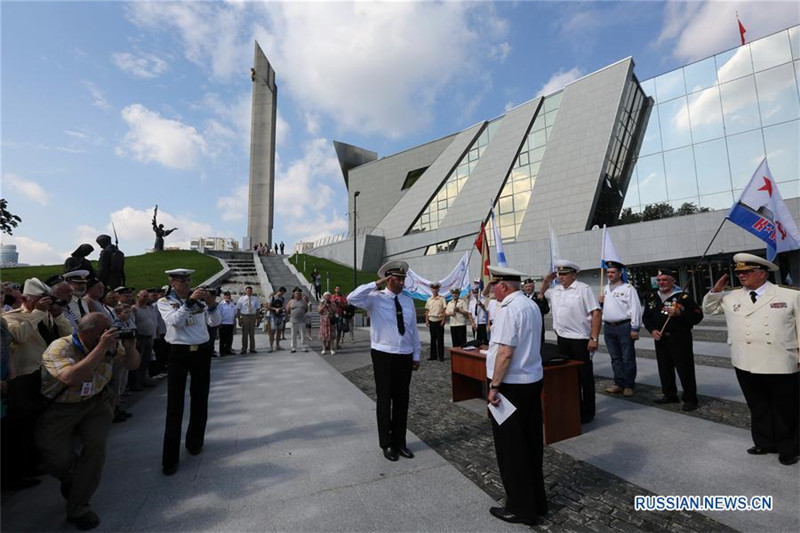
741, 30
482, 244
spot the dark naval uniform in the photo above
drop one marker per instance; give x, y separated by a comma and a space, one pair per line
674, 351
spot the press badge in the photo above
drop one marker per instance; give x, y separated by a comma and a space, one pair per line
87, 389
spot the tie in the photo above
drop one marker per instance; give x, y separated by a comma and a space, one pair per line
80, 307
753, 296
401, 327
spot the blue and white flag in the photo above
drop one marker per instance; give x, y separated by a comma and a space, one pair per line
609, 253
498, 244
419, 288
761, 211
554, 252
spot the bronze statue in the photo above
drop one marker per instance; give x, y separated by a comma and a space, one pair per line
160, 232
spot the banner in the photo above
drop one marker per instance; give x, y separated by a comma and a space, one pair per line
498, 244
482, 244
554, 253
419, 288
761, 211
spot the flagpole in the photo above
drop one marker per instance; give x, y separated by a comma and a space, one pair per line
602, 259
696, 267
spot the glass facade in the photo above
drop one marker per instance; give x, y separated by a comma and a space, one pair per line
712, 122
436, 210
516, 193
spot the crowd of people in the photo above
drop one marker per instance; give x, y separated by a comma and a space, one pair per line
265, 249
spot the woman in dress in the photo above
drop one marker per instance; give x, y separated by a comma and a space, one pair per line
326, 312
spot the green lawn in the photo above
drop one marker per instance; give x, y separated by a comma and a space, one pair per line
337, 273
141, 271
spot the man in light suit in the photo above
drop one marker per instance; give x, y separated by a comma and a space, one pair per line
763, 328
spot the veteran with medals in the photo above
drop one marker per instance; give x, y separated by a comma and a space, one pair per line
764, 333
187, 315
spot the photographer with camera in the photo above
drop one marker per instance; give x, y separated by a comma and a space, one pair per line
32, 328
187, 315
76, 371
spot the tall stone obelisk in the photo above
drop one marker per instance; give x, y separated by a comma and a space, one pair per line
262, 152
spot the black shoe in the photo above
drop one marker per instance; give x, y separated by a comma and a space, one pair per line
689, 406
507, 516
169, 470
390, 454
194, 451
787, 460
405, 452
254, 351
756, 450
666, 399
86, 521
119, 416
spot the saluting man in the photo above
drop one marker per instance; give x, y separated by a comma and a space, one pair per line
186, 314
395, 352
669, 315
764, 333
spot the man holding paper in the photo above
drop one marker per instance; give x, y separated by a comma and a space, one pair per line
514, 370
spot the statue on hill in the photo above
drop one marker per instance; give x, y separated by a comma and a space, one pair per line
160, 232
111, 265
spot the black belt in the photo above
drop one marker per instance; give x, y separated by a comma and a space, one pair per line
616, 323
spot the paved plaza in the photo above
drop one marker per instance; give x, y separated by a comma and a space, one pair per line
292, 446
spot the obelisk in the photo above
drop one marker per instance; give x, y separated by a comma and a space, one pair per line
262, 152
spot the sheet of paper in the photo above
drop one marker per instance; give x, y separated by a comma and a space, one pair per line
468, 348
502, 411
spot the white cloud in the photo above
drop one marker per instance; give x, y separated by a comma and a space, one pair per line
33, 252
166, 141
558, 80
88, 234
701, 29
140, 66
135, 230
27, 188
234, 207
98, 98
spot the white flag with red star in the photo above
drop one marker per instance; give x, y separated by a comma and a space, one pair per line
761, 211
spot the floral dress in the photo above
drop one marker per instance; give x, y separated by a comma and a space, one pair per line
325, 313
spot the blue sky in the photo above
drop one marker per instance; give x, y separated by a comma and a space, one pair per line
111, 107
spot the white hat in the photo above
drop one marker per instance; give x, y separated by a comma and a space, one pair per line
505, 274
393, 268
179, 272
35, 287
76, 276
747, 262
564, 265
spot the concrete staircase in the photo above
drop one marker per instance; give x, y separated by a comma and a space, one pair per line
280, 276
243, 274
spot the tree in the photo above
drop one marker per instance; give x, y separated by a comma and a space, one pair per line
629, 217
8, 220
657, 211
688, 208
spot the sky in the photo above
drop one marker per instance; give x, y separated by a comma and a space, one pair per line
109, 108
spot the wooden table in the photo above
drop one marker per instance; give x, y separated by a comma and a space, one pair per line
561, 414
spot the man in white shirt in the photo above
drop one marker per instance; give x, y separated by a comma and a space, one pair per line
622, 318
247, 311
396, 348
576, 321
514, 369
227, 310
480, 316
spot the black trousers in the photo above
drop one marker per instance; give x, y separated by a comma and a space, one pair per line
674, 353
577, 349
482, 336
437, 339
225, 339
518, 445
458, 334
19, 451
392, 379
774, 402
183, 363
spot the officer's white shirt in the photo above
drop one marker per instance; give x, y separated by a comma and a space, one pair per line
622, 303
248, 305
227, 312
479, 314
518, 323
186, 325
383, 334
571, 309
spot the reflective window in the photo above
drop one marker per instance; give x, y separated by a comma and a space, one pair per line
670, 85
713, 172
552, 102
632, 196
700, 75
789, 189
679, 170
734, 64
442, 247
649, 88
675, 129
782, 143
652, 134
771, 51
705, 115
652, 183
739, 105
777, 95
745, 152
722, 200
794, 41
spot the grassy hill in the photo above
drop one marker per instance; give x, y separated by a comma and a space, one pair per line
141, 271
338, 273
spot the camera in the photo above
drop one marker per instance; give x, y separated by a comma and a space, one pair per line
124, 332
216, 291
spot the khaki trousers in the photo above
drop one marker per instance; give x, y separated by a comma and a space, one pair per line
248, 323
